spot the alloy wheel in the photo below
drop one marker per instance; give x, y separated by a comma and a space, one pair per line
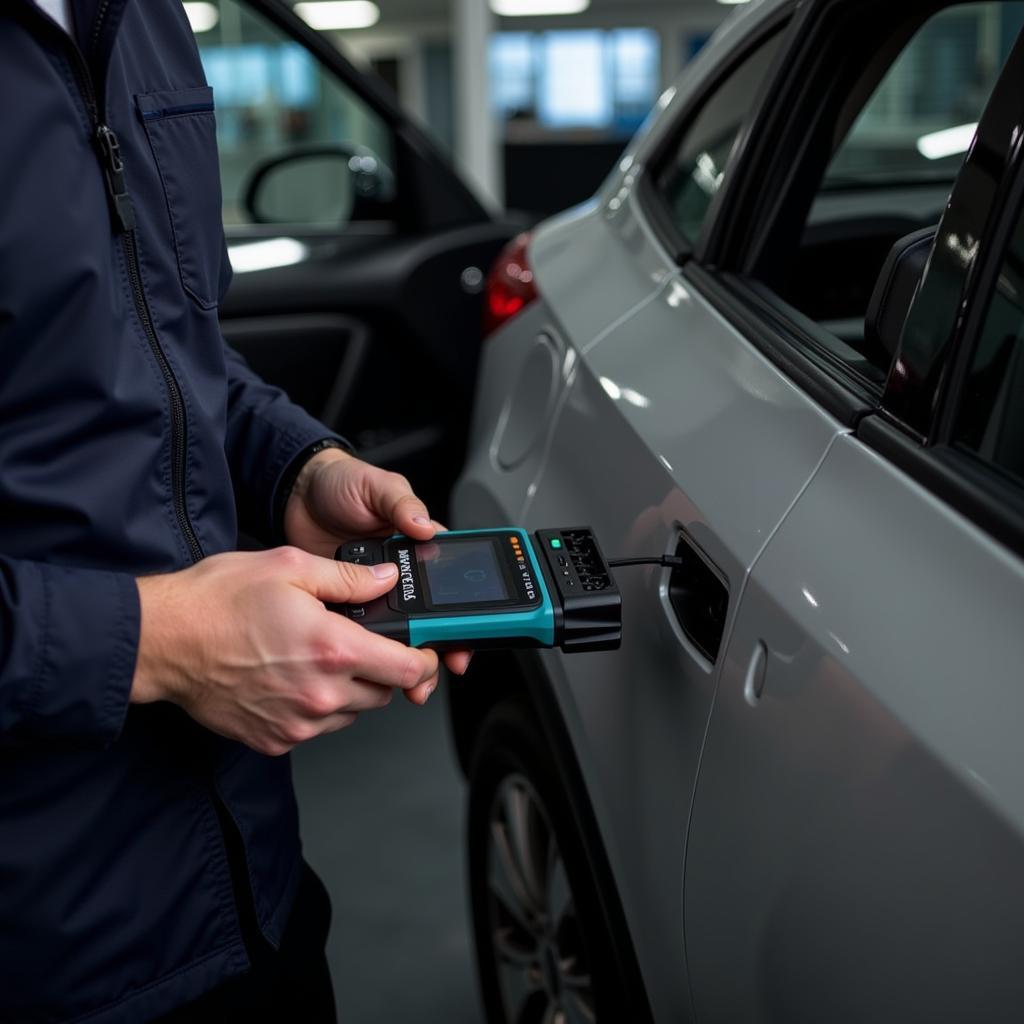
543, 974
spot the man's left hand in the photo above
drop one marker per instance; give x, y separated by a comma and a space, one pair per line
338, 497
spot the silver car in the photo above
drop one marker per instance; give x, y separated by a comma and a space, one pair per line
784, 343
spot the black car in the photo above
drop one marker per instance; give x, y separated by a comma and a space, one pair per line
359, 253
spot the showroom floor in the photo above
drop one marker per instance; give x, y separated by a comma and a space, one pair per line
382, 808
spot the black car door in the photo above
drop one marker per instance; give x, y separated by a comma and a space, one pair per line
359, 255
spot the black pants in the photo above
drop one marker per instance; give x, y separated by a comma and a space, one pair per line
292, 983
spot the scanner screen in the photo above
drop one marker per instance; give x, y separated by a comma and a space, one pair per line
466, 572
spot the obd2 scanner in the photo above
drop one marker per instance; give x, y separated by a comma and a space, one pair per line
493, 588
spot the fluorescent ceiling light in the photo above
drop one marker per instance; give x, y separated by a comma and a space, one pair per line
338, 14
272, 252
948, 142
202, 17
533, 8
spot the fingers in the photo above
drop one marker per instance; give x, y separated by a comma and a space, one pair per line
457, 661
396, 503
336, 582
342, 692
375, 659
420, 694
363, 696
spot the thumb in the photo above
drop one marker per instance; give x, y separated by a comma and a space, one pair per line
336, 582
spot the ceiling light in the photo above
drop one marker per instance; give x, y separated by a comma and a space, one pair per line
338, 14
202, 17
528, 8
733, 2
948, 142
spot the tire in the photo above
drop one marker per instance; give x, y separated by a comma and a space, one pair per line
544, 954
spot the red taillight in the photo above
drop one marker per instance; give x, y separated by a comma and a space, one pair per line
509, 285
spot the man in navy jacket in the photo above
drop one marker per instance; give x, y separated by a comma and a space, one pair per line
150, 676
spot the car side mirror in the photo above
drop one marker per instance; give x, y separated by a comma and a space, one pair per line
894, 291
325, 185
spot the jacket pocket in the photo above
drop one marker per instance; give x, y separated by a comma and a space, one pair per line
182, 134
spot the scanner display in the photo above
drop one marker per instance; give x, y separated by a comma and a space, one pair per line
466, 573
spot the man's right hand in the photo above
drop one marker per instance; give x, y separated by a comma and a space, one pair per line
244, 644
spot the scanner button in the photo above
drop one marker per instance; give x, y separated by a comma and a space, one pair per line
357, 612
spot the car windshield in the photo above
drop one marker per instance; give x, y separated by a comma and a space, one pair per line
920, 121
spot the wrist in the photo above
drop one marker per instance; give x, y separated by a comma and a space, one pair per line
158, 675
311, 467
304, 463
296, 510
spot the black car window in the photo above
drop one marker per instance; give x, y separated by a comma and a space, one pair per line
898, 140
695, 172
990, 421
920, 120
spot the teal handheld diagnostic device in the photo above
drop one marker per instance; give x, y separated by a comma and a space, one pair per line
495, 588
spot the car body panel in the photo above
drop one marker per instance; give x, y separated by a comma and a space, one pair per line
667, 392
857, 834
663, 420
594, 268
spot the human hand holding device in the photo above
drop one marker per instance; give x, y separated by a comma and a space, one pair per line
243, 642
337, 498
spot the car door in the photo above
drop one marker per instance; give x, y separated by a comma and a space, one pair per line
358, 253
856, 845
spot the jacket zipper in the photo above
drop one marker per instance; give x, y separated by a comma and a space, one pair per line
123, 217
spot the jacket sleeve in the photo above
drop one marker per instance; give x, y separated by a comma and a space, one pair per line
68, 643
266, 432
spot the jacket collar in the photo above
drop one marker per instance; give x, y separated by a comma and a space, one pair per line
95, 24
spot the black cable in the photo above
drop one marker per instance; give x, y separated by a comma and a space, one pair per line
667, 561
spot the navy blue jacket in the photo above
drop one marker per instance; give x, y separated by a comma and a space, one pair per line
131, 441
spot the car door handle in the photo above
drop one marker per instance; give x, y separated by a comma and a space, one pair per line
753, 681
699, 598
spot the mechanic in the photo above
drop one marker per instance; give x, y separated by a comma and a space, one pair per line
150, 675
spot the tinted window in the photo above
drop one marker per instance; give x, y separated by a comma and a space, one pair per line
899, 139
696, 172
991, 419
918, 123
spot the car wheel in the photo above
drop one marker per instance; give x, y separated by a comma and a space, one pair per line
541, 953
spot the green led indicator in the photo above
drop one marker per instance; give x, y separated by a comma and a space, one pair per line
556, 543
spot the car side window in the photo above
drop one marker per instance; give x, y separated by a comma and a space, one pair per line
920, 120
990, 422
297, 146
898, 144
696, 171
